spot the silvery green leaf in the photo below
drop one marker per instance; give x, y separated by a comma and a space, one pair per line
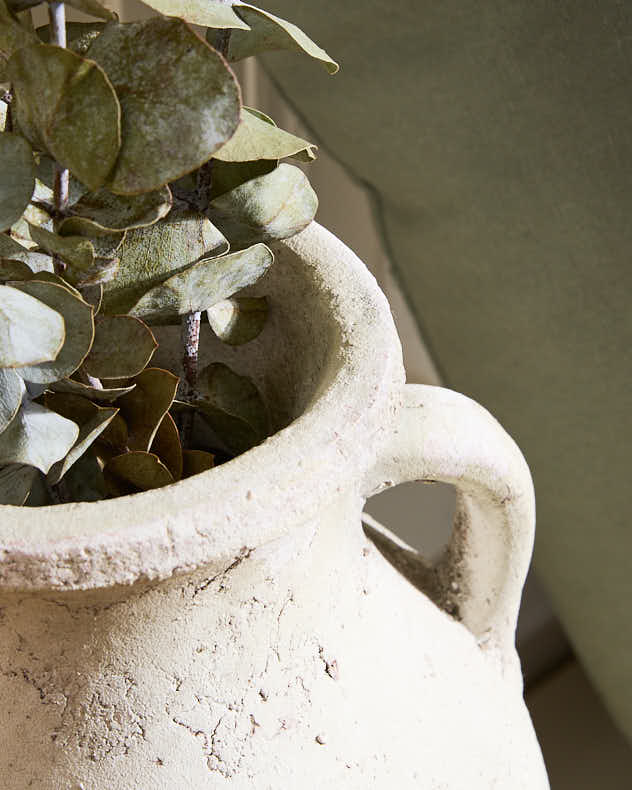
274, 206
196, 461
104, 242
37, 437
228, 175
121, 212
206, 13
93, 294
31, 330
73, 112
256, 138
11, 393
203, 284
149, 255
74, 250
79, 323
269, 32
168, 97
106, 394
135, 471
13, 35
89, 432
9, 248
21, 232
167, 446
238, 320
103, 270
16, 481
233, 407
17, 181
56, 279
79, 35
122, 347
14, 270
144, 407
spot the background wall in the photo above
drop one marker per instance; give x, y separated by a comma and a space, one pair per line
582, 748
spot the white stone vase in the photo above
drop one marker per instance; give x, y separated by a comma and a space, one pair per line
240, 629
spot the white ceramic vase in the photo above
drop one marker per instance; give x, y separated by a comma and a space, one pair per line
240, 629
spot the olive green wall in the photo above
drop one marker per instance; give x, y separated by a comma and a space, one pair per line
497, 139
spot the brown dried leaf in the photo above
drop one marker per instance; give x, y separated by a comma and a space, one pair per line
166, 445
135, 471
144, 407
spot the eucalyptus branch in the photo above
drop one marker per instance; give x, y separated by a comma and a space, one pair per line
191, 322
57, 19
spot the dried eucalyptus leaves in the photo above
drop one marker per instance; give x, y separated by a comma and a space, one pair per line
135, 190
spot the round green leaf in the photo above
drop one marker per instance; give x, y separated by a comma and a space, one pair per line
73, 111
79, 35
9, 248
11, 392
79, 322
103, 270
37, 437
206, 13
16, 481
228, 175
274, 206
18, 178
180, 102
122, 347
196, 461
31, 330
74, 250
269, 32
149, 255
120, 212
233, 407
92, 421
256, 138
135, 471
239, 320
93, 294
203, 284
14, 270
12, 35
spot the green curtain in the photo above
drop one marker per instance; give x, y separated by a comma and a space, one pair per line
497, 139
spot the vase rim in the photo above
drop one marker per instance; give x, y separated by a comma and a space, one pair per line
153, 534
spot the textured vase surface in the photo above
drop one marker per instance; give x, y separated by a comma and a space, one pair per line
241, 629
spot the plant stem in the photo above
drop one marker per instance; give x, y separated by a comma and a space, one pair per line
191, 346
57, 19
191, 321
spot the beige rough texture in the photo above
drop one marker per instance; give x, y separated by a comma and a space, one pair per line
240, 629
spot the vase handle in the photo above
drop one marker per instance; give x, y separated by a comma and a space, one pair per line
440, 435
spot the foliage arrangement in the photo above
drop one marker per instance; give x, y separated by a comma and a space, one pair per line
135, 190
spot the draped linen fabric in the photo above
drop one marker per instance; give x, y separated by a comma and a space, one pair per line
496, 140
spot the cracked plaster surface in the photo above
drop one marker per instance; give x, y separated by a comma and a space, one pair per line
163, 642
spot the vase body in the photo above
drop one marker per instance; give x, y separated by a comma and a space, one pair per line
242, 628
